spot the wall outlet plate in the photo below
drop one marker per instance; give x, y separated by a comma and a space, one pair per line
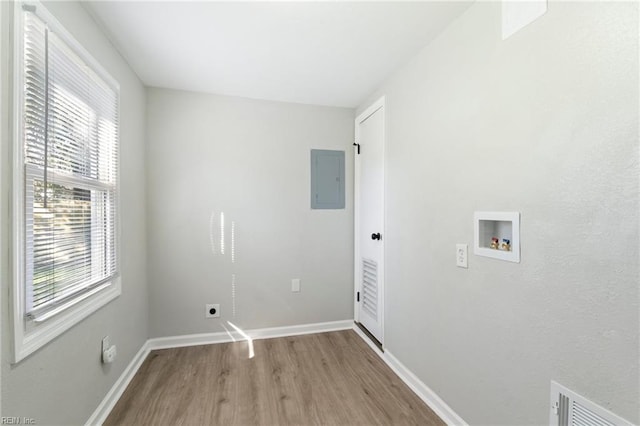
109, 351
295, 285
109, 355
212, 310
462, 258
106, 343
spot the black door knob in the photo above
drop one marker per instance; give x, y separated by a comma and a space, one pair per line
375, 236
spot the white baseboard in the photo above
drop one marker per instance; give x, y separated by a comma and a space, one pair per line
297, 330
100, 414
191, 340
423, 391
232, 335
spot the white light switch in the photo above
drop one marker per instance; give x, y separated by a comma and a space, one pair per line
461, 255
295, 285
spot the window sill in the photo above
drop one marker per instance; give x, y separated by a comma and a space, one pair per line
29, 335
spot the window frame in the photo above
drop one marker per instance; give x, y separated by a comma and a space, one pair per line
30, 334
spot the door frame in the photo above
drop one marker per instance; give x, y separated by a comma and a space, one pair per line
368, 112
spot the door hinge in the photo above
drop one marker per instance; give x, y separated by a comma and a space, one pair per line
357, 296
358, 145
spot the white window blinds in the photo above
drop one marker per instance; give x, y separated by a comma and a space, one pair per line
70, 140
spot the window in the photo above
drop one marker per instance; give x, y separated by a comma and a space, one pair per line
65, 181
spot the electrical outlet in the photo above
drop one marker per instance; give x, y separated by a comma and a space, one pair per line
212, 310
109, 351
461, 256
106, 343
295, 285
109, 355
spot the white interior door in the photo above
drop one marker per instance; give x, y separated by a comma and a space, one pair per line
369, 219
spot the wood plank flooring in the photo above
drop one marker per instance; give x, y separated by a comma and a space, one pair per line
316, 379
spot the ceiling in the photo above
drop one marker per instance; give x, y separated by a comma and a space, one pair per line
323, 53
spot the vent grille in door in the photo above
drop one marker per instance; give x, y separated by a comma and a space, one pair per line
370, 287
563, 410
570, 409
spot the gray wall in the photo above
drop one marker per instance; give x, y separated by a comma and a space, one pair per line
63, 382
250, 160
545, 123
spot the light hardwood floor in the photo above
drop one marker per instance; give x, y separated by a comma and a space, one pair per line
317, 379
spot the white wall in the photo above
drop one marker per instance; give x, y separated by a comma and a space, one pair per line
64, 381
250, 160
545, 123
